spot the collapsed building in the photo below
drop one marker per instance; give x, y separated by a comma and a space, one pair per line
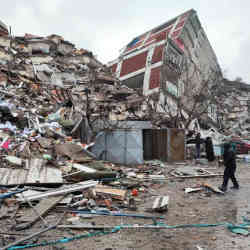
48, 73
54, 98
155, 62
236, 116
49, 89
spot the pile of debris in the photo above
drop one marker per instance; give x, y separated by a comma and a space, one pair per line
54, 99
48, 79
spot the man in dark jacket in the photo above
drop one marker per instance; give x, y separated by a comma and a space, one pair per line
209, 149
230, 168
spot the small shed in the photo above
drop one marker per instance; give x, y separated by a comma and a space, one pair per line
133, 146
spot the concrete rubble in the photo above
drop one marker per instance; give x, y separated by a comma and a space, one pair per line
54, 100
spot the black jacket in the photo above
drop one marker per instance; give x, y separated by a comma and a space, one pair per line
229, 159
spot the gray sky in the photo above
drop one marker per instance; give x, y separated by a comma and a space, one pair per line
104, 27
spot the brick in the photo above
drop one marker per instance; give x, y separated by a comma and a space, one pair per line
113, 68
155, 77
134, 63
157, 56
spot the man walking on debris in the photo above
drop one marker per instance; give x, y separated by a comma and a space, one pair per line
230, 168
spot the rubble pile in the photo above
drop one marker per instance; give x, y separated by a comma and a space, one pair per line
54, 99
47, 86
39, 75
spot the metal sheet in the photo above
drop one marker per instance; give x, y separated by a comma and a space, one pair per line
155, 144
147, 144
160, 143
176, 145
59, 191
120, 146
34, 172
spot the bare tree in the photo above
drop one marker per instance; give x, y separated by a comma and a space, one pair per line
198, 91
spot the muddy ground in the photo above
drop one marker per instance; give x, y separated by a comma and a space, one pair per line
203, 207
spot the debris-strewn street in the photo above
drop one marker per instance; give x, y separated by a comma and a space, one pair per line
201, 207
124, 155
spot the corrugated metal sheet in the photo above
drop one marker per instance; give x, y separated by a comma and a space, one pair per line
155, 144
34, 172
134, 146
176, 145
120, 146
59, 191
164, 144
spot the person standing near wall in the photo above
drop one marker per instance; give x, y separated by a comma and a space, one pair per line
198, 142
230, 168
209, 149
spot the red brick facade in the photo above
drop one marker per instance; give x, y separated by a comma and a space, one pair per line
155, 77
134, 63
157, 56
113, 68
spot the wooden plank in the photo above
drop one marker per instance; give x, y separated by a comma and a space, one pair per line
41, 209
176, 145
9, 176
213, 188
38, 173
118, 194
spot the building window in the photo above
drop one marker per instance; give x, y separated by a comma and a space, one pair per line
135, 82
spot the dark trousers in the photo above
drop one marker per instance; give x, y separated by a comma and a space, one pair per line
229, 174
198, 152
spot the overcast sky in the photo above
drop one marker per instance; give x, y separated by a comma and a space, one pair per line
104, 27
